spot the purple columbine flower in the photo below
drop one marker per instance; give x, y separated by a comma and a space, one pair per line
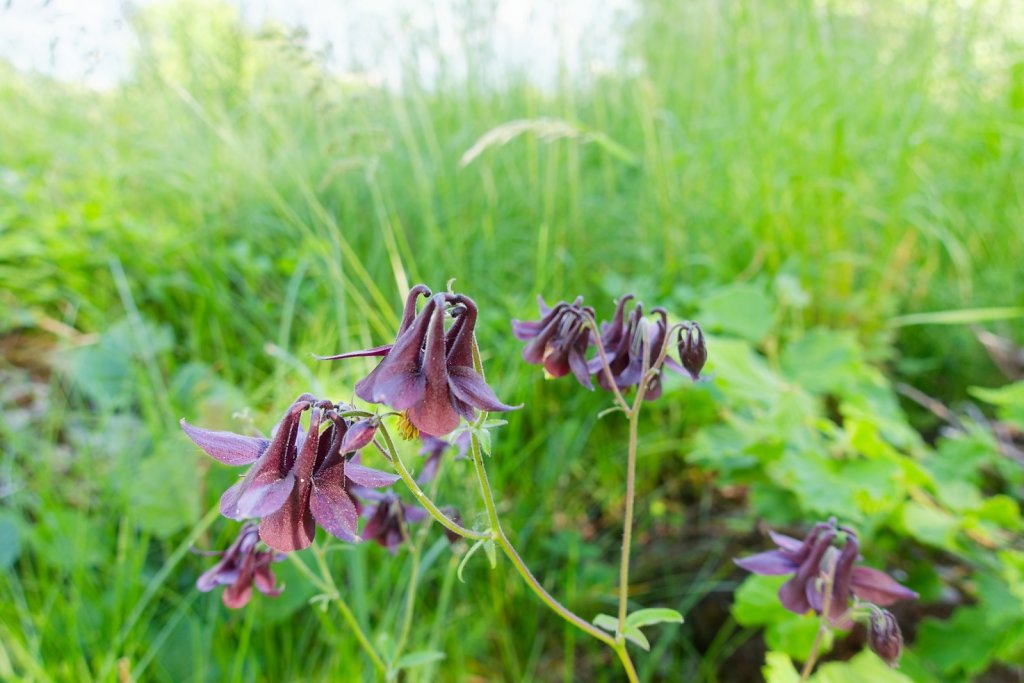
559, 340
240, 567
623, 342
434, 448
388, 517
428, 372
297, 480
815, 558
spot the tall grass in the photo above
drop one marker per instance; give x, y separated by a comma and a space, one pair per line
234, 207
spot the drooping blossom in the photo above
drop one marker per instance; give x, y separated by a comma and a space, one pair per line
624, 340
427, 372
693, 350
434, 448
559, 340
297, 479
884, 636
240, 567
813, 562
388, 518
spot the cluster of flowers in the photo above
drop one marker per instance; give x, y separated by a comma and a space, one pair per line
298, 480
303, 478
825, 578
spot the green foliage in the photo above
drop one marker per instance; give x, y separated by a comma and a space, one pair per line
828, 187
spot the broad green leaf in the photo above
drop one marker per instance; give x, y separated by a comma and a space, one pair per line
653, 615
741, 310
862, 668
408, 661
778, 668
929, 525
757, 604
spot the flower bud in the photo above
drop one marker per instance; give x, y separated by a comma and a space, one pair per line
693, 352
884, 636
359, 435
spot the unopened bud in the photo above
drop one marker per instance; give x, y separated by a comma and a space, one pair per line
884, 636
693, 352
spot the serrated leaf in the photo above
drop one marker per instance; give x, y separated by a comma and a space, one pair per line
653, 615
778, 668
419, 658
607, 622
635, 635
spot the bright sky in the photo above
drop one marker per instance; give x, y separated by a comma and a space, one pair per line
89, 42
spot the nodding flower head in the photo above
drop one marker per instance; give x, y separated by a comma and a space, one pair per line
816, 564
693, 351
387, 518
428, 372
884, 636
631, 342
297, 480
240, 567
559, 340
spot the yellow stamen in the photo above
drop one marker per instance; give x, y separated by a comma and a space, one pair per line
406, 429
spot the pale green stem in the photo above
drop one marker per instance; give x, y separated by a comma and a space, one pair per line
396, 460
410, 595
823, 627
627, 523
329, 587
498, 534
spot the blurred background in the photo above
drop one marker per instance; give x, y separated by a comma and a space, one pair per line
196, 196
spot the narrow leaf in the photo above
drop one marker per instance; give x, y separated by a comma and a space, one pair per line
633, 634
465, 558
607, 622
420, 658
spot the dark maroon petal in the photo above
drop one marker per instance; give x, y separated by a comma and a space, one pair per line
525, 329
793, 593
218, 575
365, 476
375, 351
238, 594
397, 376
227, 447
229, 501
292, 526
771, 563
266, 582
409, 312
786, 542
468, 386
878, 587
434, 413
334, 510
461, 353
579, 368
264, 494
842, 577
359, 435
415, 514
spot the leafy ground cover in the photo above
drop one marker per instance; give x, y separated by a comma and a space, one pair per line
834, 191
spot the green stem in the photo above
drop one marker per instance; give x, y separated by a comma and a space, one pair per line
392, 454
327, 584
823, 627
627, 523
410, 596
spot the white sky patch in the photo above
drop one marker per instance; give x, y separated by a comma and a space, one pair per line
90, 41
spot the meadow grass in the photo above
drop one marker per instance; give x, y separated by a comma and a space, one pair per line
180, 245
